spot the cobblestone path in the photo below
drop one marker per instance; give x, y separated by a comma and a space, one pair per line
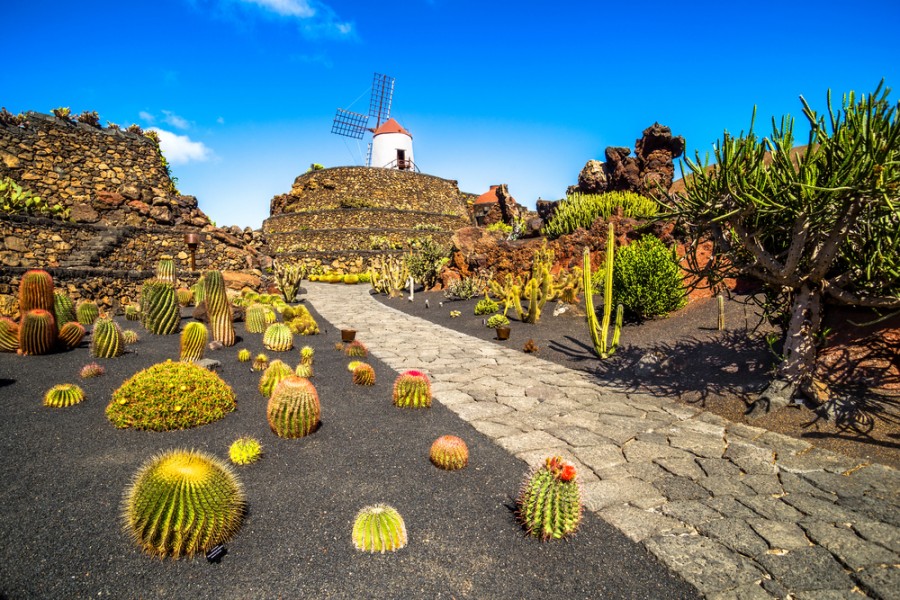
738, 511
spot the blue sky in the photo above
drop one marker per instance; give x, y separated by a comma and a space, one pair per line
522, 93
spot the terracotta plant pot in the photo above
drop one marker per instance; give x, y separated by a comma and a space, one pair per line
503, 333
348, 335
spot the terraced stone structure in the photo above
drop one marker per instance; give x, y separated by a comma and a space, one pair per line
343, 217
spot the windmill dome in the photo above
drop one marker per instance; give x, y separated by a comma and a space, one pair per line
392, 147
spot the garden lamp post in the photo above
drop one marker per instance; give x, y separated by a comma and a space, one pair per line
192, 240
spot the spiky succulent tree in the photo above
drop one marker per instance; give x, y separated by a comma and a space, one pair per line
813, 224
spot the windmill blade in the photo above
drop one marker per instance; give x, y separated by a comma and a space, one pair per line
349, 124
380, 102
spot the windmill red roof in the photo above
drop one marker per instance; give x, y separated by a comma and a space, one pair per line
390, 126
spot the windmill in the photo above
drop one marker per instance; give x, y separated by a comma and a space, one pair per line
391, 145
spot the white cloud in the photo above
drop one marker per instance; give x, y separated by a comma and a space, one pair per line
286, 8
220, 120
175, 121
318, 20
145, 116
180, 149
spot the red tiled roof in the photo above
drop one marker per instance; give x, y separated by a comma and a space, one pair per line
488, 196
390, 126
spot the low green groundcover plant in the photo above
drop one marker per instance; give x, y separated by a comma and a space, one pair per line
647, 280
170, 395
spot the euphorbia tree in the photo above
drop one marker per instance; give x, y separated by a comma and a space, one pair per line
816, 224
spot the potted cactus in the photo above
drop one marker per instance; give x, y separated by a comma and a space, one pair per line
348, 335
500, 324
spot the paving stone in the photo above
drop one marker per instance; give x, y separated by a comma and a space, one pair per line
878, 509
577, 436
763, 484
479, 410
691, 512
639, 524
520, 403
681, 467
601, 494
493, 429
725, 486
881, 533
730, 508
646, 471
750, 458
637, 451
771, 508
680, 411
735, 534
719, 468
600, 456
452, 397
533, 440
617, 406
878, 477
706, 564
536, 458
680, 488
743, 432
618, 433
880, 582
782, 444
848, 547
700, 444
813, 460
822, 510
794, 484
750, 591
806, 569
780, 535
853, 594
481, 393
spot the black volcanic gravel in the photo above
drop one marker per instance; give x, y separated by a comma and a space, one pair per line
64, 471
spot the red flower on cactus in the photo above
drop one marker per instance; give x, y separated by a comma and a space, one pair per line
415, 373
567, 473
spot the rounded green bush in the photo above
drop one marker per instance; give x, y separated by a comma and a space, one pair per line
647, 280
183, 503
497, 320
486, 306
170, 395
379, 528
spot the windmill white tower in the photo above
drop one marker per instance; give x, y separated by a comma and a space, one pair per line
391, 145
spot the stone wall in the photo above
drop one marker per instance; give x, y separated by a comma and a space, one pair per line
328, 239
341, 262
363, 218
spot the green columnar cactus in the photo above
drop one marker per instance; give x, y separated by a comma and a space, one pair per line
107, 340
275, 372
71, 334
356, 349
269, 315
199, 291
245, 450
538, 288
132, 313
218, 308
9, 335
160, 313
364, 374
379, 528
165, 270
288, 278
243, 355
37, 332
35, 291
307, 353
293, 410
183, 503
193, 341
91, 370
87, 312
63, 309
449, 452
720, 305
255, 320
260, 362
278, 338
412, 389
305, 371
63, 395
184, 296
599, 338
549, 503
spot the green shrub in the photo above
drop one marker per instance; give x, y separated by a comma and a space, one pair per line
170, 395
497, 320
647, 280
425, 261
501, 227
465, 288
581, 210
16, 200
486, 306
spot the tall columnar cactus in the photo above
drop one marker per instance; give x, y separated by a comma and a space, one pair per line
160, 313
9, 335
549, 503
218, 308
165, 270
183, 503
379, 528
449, 452
412, 389
293, 410
107, 340
37, 332
199, 291
63, 309
255, 319
71, 334
288, 278
87, 312
193, 341
275, 372
278, 337
35, 291
537, 289
63, 395
720, 305
600, 338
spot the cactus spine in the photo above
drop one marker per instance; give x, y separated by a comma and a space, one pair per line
63, 395
278, 338
549, 503
293, 410
160, 313
71, 334
37, 332
193, 342
107, 340
243, 355
275, 372
449, 452
63, 309
165, 270
720, 304
182, 503
412, 389
364, 374
9, 335
255, 321
87, 312
218, 308
600, 338
36, 291
379, 528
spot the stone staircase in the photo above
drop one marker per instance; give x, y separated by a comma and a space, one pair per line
91, 253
